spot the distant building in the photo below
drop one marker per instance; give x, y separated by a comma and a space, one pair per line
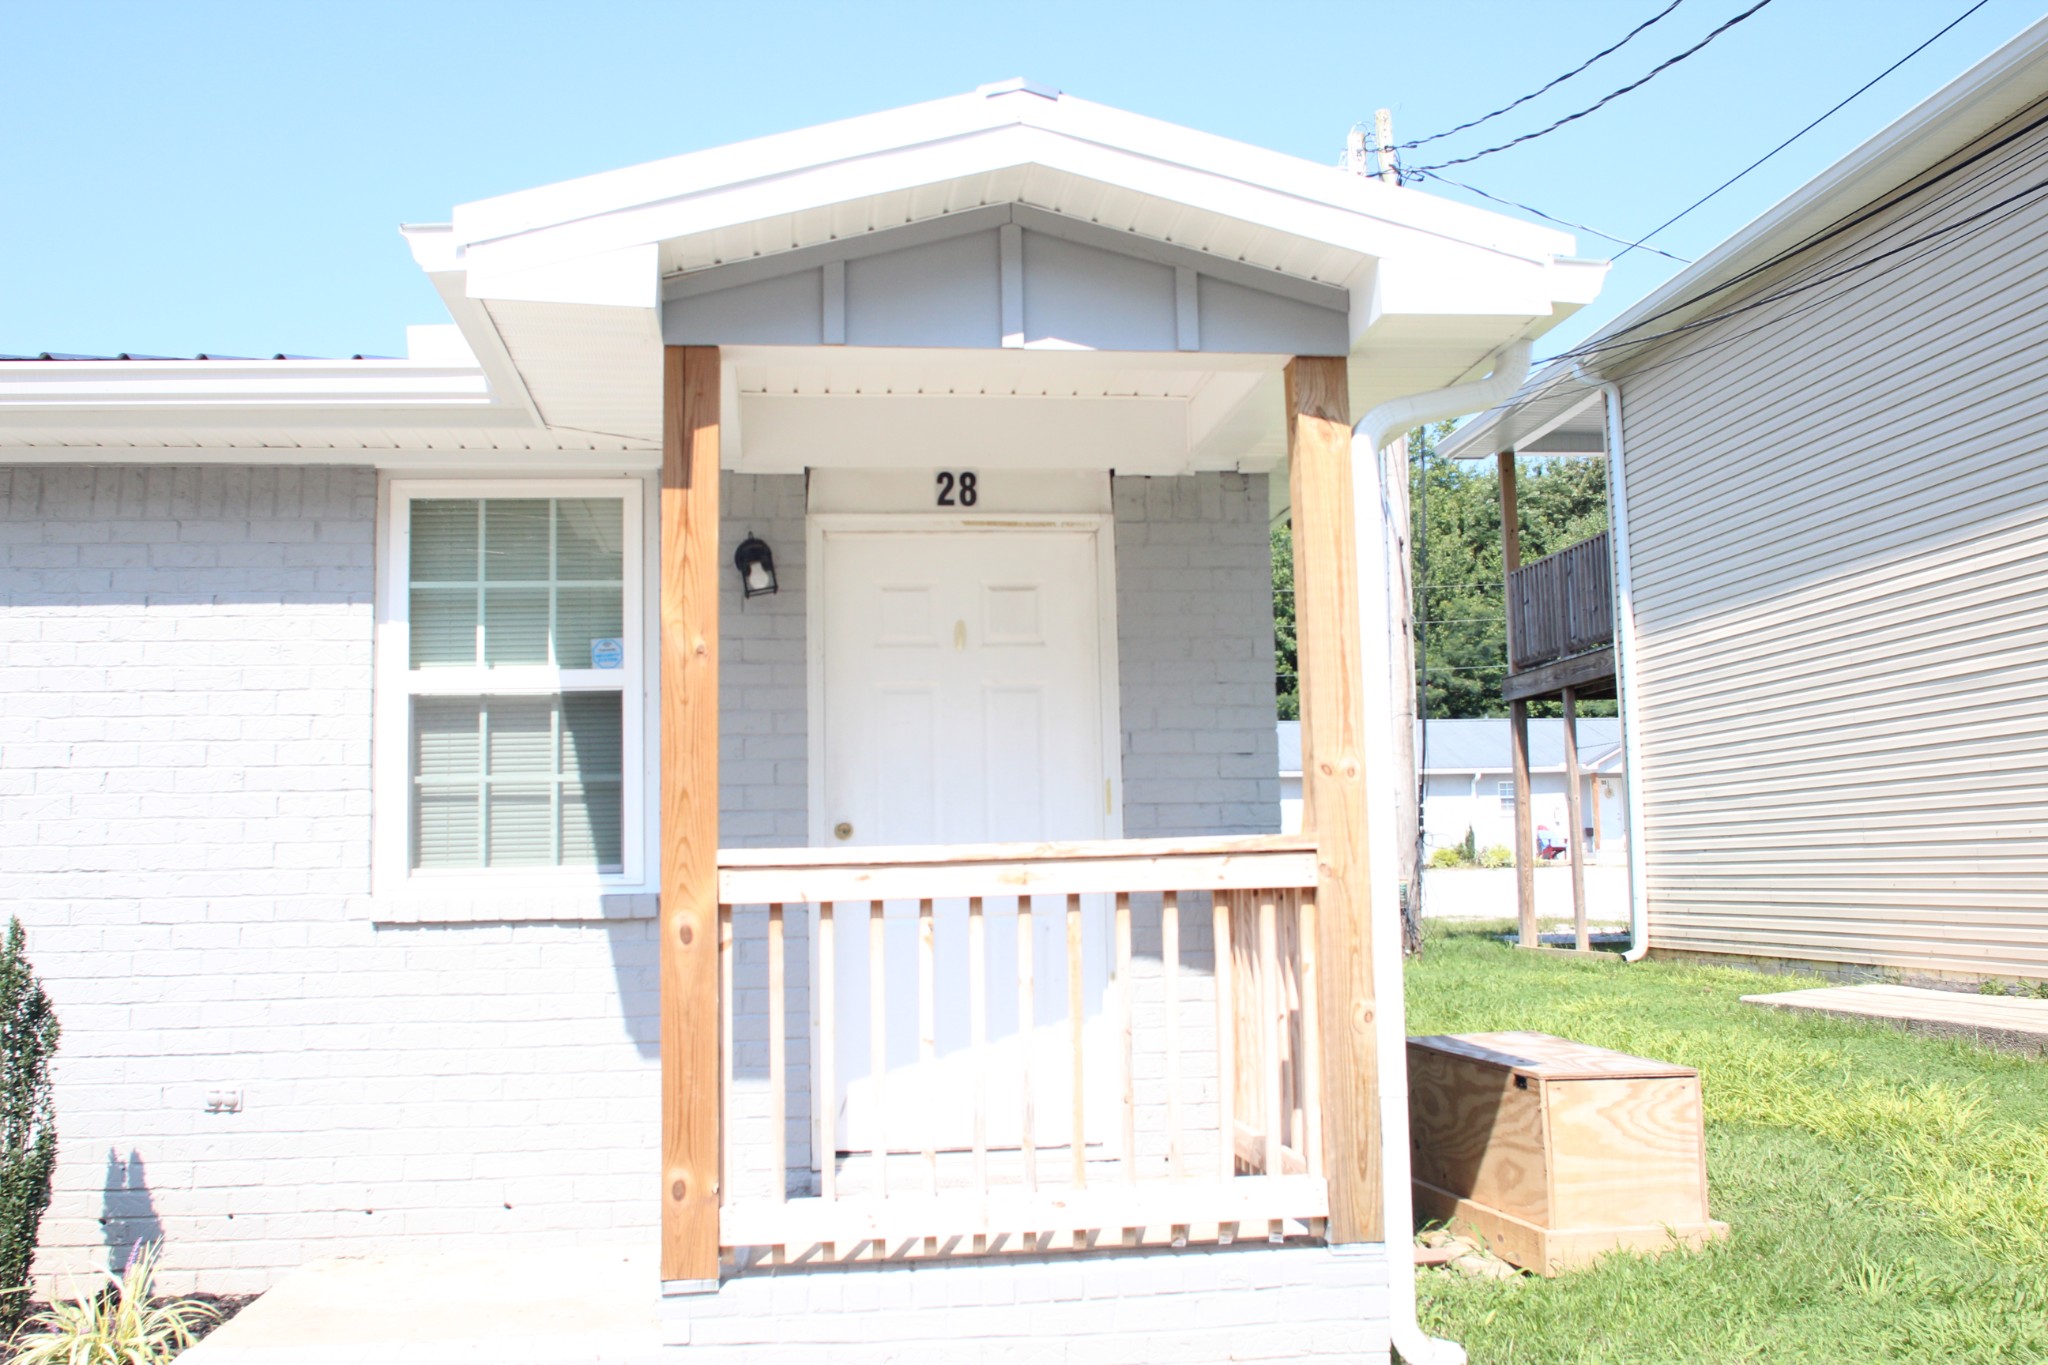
1468, 779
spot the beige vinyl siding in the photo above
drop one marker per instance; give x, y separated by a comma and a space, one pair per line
1839, 539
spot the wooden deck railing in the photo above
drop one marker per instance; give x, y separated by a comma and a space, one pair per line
1561, 604
1257, 1170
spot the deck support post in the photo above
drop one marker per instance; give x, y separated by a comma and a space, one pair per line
1518, 711
690, 1118
1333, 786
1525, 826
1575, 814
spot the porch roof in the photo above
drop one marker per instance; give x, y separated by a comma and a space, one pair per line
563, 293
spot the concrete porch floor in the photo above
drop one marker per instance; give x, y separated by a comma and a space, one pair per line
563, 1305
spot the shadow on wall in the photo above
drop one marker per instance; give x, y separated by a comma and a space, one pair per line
637, 965
128, 1215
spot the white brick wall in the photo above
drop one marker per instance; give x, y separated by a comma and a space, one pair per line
185, 683
1199, 1304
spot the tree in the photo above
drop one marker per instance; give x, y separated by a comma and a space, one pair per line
1286, 663
1460, 598
28, 1121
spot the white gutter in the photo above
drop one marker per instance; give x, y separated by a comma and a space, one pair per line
1624, 664
1376, 613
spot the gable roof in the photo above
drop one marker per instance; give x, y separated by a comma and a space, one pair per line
559, 291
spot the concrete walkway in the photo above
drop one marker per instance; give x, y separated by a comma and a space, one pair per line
561, 1306
2001, 1021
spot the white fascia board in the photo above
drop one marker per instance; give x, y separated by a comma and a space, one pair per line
158, 384
629, 277
969, 137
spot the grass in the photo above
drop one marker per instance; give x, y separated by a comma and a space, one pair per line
1887, 1194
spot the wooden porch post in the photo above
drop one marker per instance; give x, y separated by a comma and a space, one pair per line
689, 814
1333, 787
1518, 711
1575, 813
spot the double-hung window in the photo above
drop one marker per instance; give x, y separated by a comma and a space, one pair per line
516, 607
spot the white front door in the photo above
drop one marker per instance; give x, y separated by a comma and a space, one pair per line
963, 703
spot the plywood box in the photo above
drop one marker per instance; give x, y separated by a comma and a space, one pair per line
1556, 1152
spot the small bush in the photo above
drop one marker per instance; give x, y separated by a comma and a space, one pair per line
121, 1324
1496, 855
1470, 846
28, 1125
1991, 988
1453, 856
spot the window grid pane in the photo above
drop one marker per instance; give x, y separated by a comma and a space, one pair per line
506, 582
519, 782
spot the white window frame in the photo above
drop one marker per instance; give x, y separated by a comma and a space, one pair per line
1504, 792
393, 875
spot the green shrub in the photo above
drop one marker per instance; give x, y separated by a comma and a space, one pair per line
1991, 988
1470, 846
1454, 856
28, 1128
1496, 855
121, 1324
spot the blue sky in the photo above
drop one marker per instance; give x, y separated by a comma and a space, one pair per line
183, 177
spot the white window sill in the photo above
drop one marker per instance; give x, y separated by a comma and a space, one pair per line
474, 903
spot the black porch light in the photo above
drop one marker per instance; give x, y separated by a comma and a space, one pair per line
756, 563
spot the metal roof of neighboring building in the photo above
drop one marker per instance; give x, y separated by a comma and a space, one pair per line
1481, 746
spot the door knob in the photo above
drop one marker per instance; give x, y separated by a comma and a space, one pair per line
842, 830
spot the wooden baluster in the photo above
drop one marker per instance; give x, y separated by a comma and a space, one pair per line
1076, 1024
1026, 1025
1226, 1040
778, 1041
977, 1019
1169, 956
1123, 1007
827, 1101
1311, 1081
927, 1046
878, 1046
1271, 1021
727, 1017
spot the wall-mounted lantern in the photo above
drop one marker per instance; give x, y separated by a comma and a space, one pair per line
756, 563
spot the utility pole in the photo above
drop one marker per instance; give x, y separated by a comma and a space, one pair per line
1383, 133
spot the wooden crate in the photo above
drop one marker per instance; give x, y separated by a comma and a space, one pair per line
1556, 1152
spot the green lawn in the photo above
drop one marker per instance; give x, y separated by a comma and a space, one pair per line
1887, 1194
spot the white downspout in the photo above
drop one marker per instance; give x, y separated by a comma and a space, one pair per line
1376, 614
1624, 665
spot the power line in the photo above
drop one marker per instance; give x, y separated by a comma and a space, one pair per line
1816, 281
1813, 239
1644, 240
1654, 71
1561, 222
1487, 118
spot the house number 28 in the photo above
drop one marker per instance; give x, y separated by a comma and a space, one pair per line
958, 490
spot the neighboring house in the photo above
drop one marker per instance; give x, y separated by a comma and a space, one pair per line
446, 794
1468, 783
1828, 456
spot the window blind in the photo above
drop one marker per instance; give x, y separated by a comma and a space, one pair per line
534, 780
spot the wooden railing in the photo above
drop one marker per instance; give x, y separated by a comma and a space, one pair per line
1240, 1151
1561, 604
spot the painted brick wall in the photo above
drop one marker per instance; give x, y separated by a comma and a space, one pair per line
1195, 621
185, 685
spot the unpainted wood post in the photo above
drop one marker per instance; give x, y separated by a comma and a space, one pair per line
1525, 825
1327, 616
1575, 813
690, 1117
